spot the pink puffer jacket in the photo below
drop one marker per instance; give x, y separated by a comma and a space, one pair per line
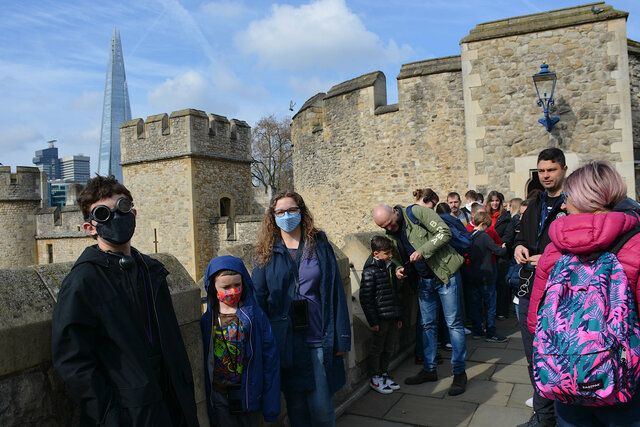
583, 234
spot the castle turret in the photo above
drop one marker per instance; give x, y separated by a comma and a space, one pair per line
184, 170
19, 197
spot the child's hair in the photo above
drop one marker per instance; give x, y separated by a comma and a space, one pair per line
224, 273
99, 188
426, 195
514, 204
443, 208
380, 243
480, 198
475, 207
471, 195
482, 218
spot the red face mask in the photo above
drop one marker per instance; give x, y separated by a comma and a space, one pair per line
231, 296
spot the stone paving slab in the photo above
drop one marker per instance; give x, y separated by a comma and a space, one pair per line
485, 392
350, 420
497, 416
519, 395
428, 411
490, 355
374, 404
514, 374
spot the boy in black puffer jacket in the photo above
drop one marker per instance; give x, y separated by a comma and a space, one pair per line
380, 301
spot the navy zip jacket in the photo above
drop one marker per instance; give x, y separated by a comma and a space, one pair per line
260, 373
275, 288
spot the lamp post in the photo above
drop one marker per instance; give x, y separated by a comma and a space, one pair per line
545, 82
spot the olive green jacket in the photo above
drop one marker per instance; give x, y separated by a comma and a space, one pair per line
431, 242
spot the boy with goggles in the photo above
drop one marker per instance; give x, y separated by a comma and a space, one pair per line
115, 338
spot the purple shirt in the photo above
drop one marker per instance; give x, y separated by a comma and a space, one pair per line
309, 279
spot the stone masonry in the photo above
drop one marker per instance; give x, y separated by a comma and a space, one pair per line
178, 169
19, 197
471, 121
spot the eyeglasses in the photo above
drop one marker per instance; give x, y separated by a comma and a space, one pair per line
102, 213
291, 210
564, 196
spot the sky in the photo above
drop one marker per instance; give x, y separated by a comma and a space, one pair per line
243, 59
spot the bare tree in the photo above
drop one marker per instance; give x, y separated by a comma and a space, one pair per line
272, 150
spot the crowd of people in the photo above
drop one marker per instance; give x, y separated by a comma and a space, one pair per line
286, 327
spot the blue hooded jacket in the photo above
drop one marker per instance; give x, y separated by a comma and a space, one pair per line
274, 285
261, 362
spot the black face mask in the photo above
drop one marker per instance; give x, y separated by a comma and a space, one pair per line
119, 229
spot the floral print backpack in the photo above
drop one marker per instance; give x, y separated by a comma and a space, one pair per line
586, 349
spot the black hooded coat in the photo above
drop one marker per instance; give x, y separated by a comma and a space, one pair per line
101, 352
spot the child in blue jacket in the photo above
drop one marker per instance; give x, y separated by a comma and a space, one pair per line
242, 365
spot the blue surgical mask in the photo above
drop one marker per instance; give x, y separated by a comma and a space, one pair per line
288, 222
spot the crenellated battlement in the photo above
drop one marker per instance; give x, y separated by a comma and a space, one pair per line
23, 184
185, 133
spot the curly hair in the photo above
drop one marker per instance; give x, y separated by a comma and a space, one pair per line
99, 188
270, 232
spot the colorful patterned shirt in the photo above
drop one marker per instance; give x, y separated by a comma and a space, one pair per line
228, 351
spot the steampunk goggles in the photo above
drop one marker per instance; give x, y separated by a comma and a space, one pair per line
102, 213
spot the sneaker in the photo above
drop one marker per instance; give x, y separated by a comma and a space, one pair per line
422, 377
378, 385
389, 382
501, 317
535, 421
448, 346
459, 384
467, 331
496, 339
529, 402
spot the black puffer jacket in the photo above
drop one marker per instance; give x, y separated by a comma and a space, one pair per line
505, 230
379, 295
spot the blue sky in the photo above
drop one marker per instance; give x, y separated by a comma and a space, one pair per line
242, 59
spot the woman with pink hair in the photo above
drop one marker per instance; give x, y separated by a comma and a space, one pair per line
599, 214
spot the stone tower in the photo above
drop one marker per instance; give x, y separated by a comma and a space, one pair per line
185, 171
19, 198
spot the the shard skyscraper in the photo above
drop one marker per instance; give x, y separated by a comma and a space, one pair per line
115, 111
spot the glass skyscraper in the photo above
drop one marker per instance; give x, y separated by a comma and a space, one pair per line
115, 111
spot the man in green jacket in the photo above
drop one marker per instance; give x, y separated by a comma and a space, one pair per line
422, 251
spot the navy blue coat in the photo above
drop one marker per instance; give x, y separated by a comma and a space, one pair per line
260, 374
275, 287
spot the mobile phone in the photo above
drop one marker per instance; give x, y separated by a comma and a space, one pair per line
408, 268
300, 315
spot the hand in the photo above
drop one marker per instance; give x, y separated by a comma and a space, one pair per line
416, 256
533, 259
504, 245
375, 328
399, 324
338, 353
400, 273
521, 254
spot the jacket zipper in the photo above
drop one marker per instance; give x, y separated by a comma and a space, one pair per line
246, 388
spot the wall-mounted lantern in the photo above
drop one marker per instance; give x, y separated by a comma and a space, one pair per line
545, 82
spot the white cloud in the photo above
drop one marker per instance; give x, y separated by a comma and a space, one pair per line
323, 33
91, 101
224, 10
307, 87
188, 90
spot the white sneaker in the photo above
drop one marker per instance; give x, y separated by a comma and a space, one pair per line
389, 382
377, 383
529, 402
448, 346
467, 331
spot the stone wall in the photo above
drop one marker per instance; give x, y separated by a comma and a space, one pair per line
634, 78
178, 168
31, 393
60, 236
19, 197
589, 54
352, 151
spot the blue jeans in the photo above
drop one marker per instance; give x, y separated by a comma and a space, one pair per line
429, 292
312, 408
486, 294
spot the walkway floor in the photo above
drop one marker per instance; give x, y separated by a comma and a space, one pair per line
496, 392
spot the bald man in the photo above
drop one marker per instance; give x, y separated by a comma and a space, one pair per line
421, 245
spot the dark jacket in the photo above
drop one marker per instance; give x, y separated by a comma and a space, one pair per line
103, 359
532, 236
379, 296
504, 227
275, 287
481, 271
261, 363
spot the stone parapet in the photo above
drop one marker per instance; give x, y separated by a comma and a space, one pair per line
23, 184
185, 133
447, 64
27, 299
545, 21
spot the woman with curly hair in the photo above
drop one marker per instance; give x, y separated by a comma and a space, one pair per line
298, 285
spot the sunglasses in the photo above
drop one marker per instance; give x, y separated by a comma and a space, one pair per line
102, 213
